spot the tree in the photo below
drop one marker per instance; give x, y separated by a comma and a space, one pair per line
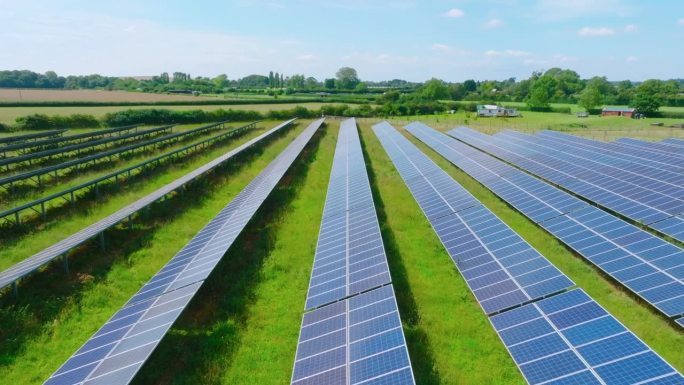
330, 83
276, 82
220, 82
434, 89
361, 88
271, 79
647, 99
590, 98
470, 85
347, 78
311, 82
541, 92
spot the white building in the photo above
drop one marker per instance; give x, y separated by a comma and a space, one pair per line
491, 110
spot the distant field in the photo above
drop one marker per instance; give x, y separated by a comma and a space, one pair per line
9, 114
44, 95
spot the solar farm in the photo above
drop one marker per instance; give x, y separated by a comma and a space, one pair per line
340, 251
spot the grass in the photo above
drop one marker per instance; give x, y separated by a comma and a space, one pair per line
244, 329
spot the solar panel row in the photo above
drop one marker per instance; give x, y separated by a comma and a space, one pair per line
547, 168
354, 334
350, 256
69, 195
666, 148
59, 140
502, 270
33, 263
566, 338
649, 266
33, 157
117, 351
570, 339
35, 175
29, 137
648, 185
357, 340
674, 141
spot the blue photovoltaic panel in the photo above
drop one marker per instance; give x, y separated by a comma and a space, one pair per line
570, 339
546, 168
681, 322
355, 341
651, 267
117, 351
674, 141
649, 185
667, 148
502, 270
350, 256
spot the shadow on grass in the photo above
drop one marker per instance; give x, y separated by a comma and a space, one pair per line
44, 295
12, 233
202, 342
423, 361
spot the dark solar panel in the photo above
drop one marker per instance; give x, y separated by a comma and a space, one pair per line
355, 341
117, 351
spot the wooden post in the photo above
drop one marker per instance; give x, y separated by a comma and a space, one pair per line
102, 241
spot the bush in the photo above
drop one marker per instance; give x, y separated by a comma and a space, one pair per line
5, 128
45, 122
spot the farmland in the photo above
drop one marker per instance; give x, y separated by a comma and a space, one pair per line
246, 326
46, 95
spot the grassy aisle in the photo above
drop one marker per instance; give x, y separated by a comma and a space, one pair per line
449, 338
664, 338
246, 327
55, 314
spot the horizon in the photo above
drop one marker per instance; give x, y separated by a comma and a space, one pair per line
451, 40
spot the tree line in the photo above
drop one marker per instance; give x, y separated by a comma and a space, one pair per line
555, 85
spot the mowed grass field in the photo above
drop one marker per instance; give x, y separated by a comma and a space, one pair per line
242, 328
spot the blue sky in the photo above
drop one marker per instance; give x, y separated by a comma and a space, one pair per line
415, 40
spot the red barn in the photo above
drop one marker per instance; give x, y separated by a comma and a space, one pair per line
618, 111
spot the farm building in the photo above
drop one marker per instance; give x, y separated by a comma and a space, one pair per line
491, 110
618, 111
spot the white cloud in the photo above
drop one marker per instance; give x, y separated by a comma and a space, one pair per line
448, 49
307, 57
630, 28
506, 53
565, 9
631, 59
595, 31
493, 23
454, 13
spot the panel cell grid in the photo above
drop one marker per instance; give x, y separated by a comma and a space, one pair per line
350, 256
570, 339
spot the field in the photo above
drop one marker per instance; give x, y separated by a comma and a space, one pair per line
244, 324
9, 114
44, 95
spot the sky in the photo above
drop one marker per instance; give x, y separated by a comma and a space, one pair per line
452, 40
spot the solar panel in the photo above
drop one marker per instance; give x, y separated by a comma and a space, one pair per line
28, 137
666, 148
650, 185
651, 267
501, 269
674, 141
33, 263
117, 351
355, 341
570, 339
350, 256
680, 322
546, 168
